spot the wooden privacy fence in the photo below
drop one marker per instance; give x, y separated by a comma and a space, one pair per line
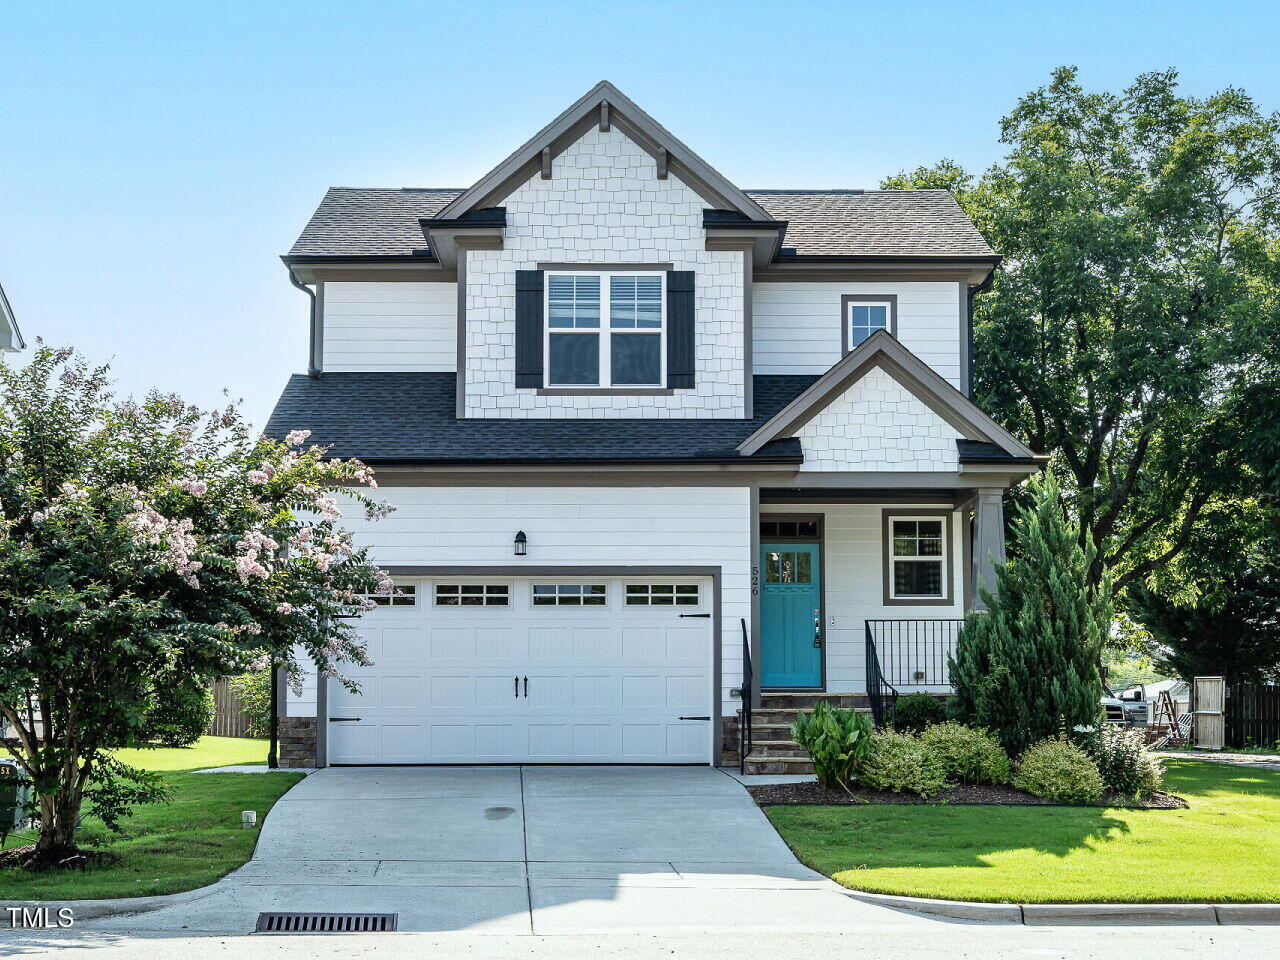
229, 717
1252, 716
1209, 704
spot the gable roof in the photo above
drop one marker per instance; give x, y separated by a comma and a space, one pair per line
839, 224
411, 418
10, 335
883, 351
606, 105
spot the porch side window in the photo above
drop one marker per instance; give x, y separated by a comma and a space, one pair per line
605, 330
917, 559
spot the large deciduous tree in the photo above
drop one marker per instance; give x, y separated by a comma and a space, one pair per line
141, 540
1131, 319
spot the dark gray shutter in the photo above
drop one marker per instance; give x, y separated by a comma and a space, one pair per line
529, 328
680, 329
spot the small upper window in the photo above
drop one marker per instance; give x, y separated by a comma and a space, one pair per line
472, 595
629, 353
404, 595
569, 594
916, 556
864, 319
789, 529
662, 594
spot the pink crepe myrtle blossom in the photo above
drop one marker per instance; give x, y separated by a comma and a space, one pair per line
296, 438
285, 608
257, 477
197, 488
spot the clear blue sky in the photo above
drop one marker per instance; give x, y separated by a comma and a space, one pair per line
157, 158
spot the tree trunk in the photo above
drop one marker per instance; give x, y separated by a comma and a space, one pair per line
59, 814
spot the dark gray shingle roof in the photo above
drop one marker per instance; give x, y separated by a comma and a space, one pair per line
849, 223
841, 223
409, 417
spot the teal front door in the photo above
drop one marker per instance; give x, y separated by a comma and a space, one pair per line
790, 615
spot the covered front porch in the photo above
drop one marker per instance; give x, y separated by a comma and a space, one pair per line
858, 594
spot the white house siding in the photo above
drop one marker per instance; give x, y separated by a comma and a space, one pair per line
573, 526
877, 424
796, 326
853, 573
604, 204
391, 326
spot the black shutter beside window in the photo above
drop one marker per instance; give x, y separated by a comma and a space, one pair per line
680, 329
529, 323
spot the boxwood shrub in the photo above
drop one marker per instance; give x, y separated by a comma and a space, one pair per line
901, 763
968, 755
1058, 770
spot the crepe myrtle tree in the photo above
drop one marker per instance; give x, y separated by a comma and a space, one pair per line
143, 540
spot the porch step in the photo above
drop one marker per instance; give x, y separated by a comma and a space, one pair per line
757, 764
783, 718
790, 700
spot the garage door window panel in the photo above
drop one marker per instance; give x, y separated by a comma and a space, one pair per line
662, 595
569, 595
473, 595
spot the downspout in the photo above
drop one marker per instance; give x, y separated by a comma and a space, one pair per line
973, 292
313, 369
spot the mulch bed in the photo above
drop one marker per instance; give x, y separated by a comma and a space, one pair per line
80, 860
786, 794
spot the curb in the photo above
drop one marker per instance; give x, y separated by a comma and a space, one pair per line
119, 906
1061, 914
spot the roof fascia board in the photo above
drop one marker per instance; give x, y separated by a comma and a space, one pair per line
763, 241
10, 335
635, 124
385, 270
882, 350
447, 240
834, 270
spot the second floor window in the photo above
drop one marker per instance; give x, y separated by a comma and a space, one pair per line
605, 330
864, 319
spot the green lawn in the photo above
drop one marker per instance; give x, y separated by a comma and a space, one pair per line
169, 847
1225, 847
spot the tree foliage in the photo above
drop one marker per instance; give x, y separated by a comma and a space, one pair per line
141, 540
1128, 331
1028, 666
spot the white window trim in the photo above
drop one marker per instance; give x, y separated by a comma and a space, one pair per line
533, 594
604, 332
848, 318
891, 595
509, 596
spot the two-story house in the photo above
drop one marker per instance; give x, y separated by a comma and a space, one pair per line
659, 446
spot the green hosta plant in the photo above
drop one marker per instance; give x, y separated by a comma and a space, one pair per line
836, 739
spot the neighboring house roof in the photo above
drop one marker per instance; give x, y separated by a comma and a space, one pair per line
10, 335
882, 350
384, 222
410, 418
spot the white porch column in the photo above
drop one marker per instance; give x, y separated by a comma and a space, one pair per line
988, 541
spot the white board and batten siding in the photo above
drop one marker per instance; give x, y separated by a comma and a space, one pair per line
853, 574
407, 327
796, 326
471, 528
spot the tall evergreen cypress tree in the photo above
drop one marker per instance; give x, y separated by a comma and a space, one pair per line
1028, 666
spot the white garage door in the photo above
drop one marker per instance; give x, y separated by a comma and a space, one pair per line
540, 670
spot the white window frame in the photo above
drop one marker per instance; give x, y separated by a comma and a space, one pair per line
645, 594
404, 595
604, 333
944, 560
848, 318
581, 594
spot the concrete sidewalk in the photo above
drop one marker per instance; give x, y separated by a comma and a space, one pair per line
526, 850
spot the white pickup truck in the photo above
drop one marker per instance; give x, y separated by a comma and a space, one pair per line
1129, 709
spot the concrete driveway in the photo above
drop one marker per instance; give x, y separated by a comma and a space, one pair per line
525, 850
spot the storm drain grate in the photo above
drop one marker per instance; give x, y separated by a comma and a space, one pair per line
327, 922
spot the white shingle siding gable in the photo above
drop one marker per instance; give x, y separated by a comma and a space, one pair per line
391, 326
604, 204
877, 424
796, 326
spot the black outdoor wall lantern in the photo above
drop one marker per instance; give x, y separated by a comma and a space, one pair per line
522, 543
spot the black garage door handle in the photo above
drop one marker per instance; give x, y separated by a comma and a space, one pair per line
701, 616
342, 719
693, 718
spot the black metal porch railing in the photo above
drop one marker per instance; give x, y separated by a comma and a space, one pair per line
744, 693
907, 653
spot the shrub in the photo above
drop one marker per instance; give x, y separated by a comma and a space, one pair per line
254, 691
180, 713
1058, 770
900, 763
1029, 666
1125, 764
836, 739
915, 711
967, 755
